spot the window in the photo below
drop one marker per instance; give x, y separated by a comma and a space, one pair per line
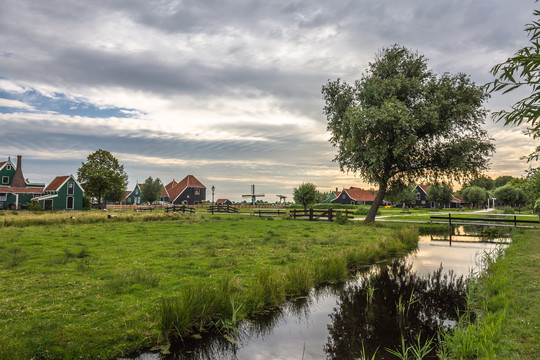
69, 203
5, 179
48, 204
197, 192
8, 167
3, 196
343, 196
418, 195
70, 188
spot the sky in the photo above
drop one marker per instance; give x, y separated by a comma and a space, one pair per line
228, 91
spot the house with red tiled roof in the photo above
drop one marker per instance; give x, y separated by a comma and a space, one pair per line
189, 191
15, 190
165, 194
355, 196
223, 202
63, 193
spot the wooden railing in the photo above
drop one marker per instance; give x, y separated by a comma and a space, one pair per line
180, 208
275, 212
455, 220
222, 209
312, 215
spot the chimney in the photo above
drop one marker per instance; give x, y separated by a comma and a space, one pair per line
337, 190
18, 177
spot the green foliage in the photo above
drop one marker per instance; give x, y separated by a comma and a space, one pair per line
86, 203
484, 182
401, 122
440, 193
502, 180
103, 177
474, 195
341, 219
522, 71
507, 194
151, 190
306, 194
401, 194
33, 206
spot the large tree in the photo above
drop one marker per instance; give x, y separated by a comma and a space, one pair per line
400, 122
522, 71
402, 194
103, 177
151, 190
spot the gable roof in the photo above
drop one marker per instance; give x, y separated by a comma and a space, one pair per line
359, 194
221, 200
2, 163
59, 181
164, 192
424, 188
188, 181
170, 185
126, 194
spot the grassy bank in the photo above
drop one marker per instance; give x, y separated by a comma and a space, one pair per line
506, 298
99, 290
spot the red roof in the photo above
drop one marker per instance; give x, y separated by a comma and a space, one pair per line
57, 183
188, 181
219, 201
164, 192
424, 187
170, 185
361, 194
336, 193
126, 194
32, 190
2, 163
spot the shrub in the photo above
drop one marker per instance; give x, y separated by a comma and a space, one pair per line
33, 206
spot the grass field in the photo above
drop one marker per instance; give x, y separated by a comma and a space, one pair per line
507, 299
93, 287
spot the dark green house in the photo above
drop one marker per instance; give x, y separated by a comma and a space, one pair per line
134, 197
63, 193
15, 190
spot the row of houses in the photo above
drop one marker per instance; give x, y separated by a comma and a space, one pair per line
62, 193
358, 196
189, 191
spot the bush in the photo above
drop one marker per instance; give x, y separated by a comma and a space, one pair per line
33, 206
506, 210
342, 219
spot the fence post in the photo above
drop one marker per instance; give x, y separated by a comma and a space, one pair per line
515, 221
311, 214
330, 215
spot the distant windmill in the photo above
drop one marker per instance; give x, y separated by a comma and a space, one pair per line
253, 196
282, 197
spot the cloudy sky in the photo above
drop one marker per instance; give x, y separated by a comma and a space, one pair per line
229, 91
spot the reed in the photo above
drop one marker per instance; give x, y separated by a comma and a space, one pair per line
298, 280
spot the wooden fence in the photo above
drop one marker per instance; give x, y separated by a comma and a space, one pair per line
458, 220
180, 208
222, 209
270, 212
313, 215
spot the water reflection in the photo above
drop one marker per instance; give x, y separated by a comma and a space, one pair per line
334, 322
403, 303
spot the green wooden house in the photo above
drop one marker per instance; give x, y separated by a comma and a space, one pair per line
15, 190
333, 195
63, 193
134, 197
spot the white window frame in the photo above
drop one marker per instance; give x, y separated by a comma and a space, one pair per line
5, 179
70, 186
8, 167
418, 195
72, 203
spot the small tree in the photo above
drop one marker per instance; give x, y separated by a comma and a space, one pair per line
475, 195
503, 180
485, 182
102, 177
151, 190
440, 193
306, 194
507, 194
402, 194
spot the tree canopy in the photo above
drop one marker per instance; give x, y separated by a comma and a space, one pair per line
103, 177
402, 194
151, 190
306, 194
475, 195
440, 193
400, 122
522, 71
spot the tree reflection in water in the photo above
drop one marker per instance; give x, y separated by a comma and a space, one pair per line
393, 312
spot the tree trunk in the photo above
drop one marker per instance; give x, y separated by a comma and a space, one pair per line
378, 200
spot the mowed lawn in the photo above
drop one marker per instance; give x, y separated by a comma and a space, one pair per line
94, 290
